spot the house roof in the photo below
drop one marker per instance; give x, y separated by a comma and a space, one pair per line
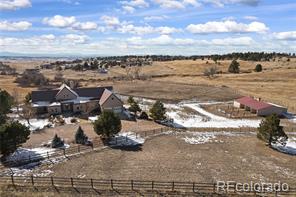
253, 103
68, 88
49, 95
106, 94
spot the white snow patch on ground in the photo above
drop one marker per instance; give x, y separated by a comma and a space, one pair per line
35, 124
199, 139
127, 139
289, 148
28, 172
208, 137
93, 118
24, 153
206, 119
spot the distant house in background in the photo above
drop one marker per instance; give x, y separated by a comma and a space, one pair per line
65, 100
259, 107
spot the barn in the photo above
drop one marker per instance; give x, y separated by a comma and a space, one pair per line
258, 107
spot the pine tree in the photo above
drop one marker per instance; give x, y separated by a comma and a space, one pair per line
130, 100
107, 125
234, 67
12, 135
258, 68
134, 107
270, 130
144, 116
57, 142
80, 137
6, 101
157, 112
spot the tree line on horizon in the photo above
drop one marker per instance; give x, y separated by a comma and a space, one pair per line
246, 56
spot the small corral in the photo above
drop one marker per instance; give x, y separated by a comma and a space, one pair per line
229, 111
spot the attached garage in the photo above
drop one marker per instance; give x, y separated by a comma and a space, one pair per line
259, 107
110, 102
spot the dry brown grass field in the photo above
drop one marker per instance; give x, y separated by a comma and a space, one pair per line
179, 80
170, 158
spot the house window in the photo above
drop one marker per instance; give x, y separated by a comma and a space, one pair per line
78, 107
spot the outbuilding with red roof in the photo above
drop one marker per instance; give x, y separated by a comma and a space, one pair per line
259, 107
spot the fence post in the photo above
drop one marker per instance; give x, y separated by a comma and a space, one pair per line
152, 185
52, 184
47, 155
32, 180
173, 186
64, 150
132, 184
72, 183
12, 179
92, 183
111, 182
193, 187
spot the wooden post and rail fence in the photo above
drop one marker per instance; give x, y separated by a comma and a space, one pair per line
135, 185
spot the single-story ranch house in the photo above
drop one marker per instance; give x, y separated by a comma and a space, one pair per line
259, 107
81, 100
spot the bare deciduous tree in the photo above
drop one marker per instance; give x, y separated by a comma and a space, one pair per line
211, 71
28, 112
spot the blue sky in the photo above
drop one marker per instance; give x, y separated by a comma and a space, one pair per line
109, 27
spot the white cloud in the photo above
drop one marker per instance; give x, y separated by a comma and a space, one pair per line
14, 26
169, 41
130, 6
167, 30
70, 22
110, 21
128, 9
163, 44
252, 18
14, 4
136, 3
48, 37
85, 26
170, 4
113, 23
226, 27
141, 30
77, 39
60, 21
241, 41
222, 3
194, 3
156, 18
288, 35
71, 2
